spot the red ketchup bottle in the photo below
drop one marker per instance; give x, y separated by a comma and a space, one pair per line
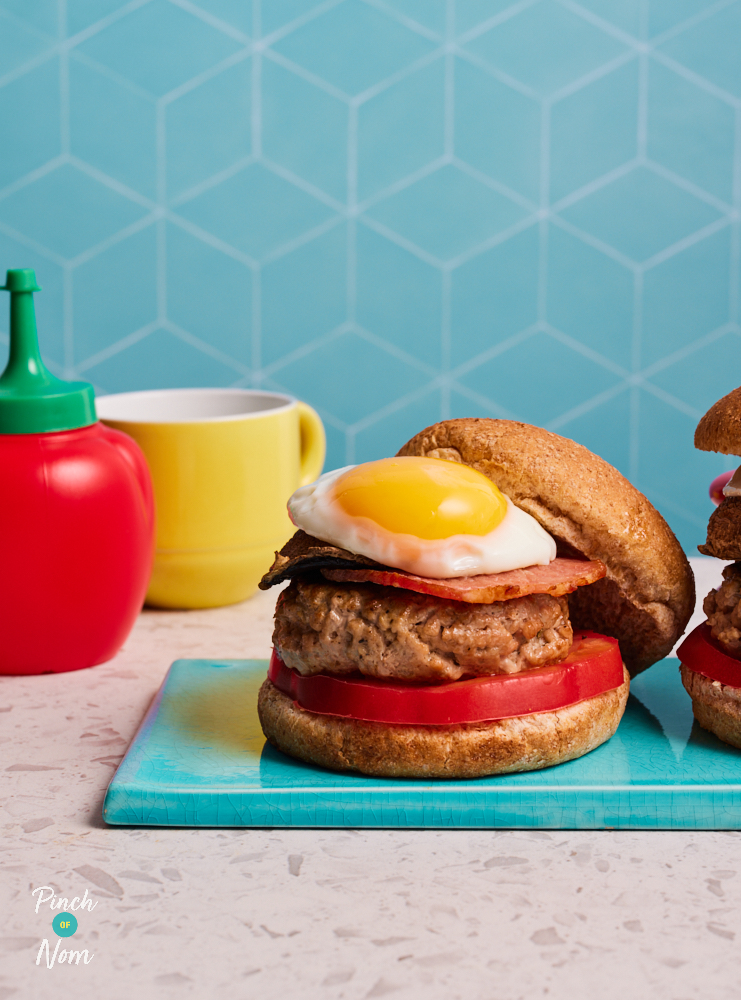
76, 513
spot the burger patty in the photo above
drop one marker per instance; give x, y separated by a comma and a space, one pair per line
323, 627
724, 531
723, 608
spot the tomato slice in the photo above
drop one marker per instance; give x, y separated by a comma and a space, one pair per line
701, 653
716, 487
593, 666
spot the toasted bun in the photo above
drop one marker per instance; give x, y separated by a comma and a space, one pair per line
648, 595
720, 428
474, 750
716, 706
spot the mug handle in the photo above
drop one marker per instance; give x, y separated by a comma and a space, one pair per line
313, 444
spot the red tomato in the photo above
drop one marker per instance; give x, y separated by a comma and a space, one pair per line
701, 653
716, 487
593, 666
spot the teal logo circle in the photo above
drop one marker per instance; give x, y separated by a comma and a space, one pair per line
64, 924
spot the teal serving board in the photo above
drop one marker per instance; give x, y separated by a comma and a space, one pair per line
200, 759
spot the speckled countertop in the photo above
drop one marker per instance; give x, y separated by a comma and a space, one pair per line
329, 913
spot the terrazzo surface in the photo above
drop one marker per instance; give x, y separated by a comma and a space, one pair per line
325, 913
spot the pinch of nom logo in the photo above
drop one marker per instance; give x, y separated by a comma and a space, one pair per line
64, 925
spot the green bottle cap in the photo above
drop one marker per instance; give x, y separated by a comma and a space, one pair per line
32, 400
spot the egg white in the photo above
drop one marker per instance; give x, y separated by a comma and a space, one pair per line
517, 541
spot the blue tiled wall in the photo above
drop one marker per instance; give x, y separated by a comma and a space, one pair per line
399, 210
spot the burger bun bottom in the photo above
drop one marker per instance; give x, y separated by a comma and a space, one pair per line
471, 750
716, 706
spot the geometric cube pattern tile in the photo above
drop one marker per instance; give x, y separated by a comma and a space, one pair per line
398, 210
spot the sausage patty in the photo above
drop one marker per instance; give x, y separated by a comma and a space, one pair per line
724, 531
335, 628
723, 608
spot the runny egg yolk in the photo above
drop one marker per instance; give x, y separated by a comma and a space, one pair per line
425, 497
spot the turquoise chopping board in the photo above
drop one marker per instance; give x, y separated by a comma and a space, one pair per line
200, 759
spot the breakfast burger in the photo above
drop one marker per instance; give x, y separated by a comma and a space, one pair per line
468, 607
711, 655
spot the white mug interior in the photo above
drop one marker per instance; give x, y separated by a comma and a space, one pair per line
181, 406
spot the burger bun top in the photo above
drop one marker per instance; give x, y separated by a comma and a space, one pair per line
720, 428
593, 512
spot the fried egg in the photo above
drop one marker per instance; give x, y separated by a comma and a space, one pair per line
427, 516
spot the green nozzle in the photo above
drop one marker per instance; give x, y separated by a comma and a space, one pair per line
32, 400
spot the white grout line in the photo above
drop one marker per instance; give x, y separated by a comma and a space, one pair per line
416, 26
735, 261
67, 315
256, 105
636, 340
256, 345
634, 440
495, 20
214, 22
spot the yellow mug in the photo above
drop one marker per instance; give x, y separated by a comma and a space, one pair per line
223, 462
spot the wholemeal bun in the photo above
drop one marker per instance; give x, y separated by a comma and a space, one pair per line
472, 750
716, 706
648, 594
720, 428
